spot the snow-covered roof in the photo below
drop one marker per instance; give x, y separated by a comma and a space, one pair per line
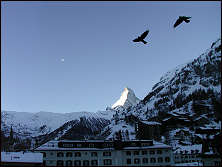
188, 149
53, 145
151, 122
26, 157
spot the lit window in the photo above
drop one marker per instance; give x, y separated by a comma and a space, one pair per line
136, 152
59, 163
152, 152
144, 152
69, 163
160, 159
107, 162
106, 153
77, 163
60, 154
94, 162
94, 154
167, 159
145, 160
128, 153
85, 163
77, 154
152, 160
68, 154
136, 161
159, 151
128, 161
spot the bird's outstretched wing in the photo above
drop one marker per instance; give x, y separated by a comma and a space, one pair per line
144, 34
136, 40
179, 21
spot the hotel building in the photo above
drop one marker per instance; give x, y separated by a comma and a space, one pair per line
106, 153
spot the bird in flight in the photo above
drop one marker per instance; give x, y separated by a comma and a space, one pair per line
141, 37
181, 19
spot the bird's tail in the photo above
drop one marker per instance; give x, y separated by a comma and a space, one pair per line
144, 41
187, 21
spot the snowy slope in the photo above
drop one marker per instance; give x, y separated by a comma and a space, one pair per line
40, 123
185, 99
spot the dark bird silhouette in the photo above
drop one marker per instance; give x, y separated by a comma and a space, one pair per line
141, 37
181, 19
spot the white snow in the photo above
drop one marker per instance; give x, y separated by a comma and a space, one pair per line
189, 148
22, 157
24, 122
126, 99
189, 164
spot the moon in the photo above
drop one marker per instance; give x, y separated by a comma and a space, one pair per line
62, 60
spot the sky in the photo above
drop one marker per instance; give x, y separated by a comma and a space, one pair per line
79, 56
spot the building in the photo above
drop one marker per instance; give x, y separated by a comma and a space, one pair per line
147, 130
106, 153
188, 154
211, 159
21, 159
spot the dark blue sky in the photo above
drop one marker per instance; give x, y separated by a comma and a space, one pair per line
95, 41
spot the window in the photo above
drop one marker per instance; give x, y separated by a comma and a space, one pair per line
128, 153
133, 144
59, 163
128, 161
160, 159
91, 145
144, 152
136, 152
51, 153
94, 154
77, 154
152, 152
85, 163
145, 160
77, 163
159, 151
152, 160
68, 154
78, 145
68, 163
67, 145
44, 154
106, 153
136, 161
107, 162
94, 162
167, 159
60, 154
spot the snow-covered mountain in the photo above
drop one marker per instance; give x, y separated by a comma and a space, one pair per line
43, 126
41, 123
185, 99
127, 99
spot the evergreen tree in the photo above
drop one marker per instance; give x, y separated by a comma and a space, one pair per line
11, 137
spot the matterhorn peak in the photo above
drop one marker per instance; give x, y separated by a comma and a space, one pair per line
127, 99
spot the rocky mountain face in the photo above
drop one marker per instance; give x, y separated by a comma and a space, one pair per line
186, 102
127, 99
